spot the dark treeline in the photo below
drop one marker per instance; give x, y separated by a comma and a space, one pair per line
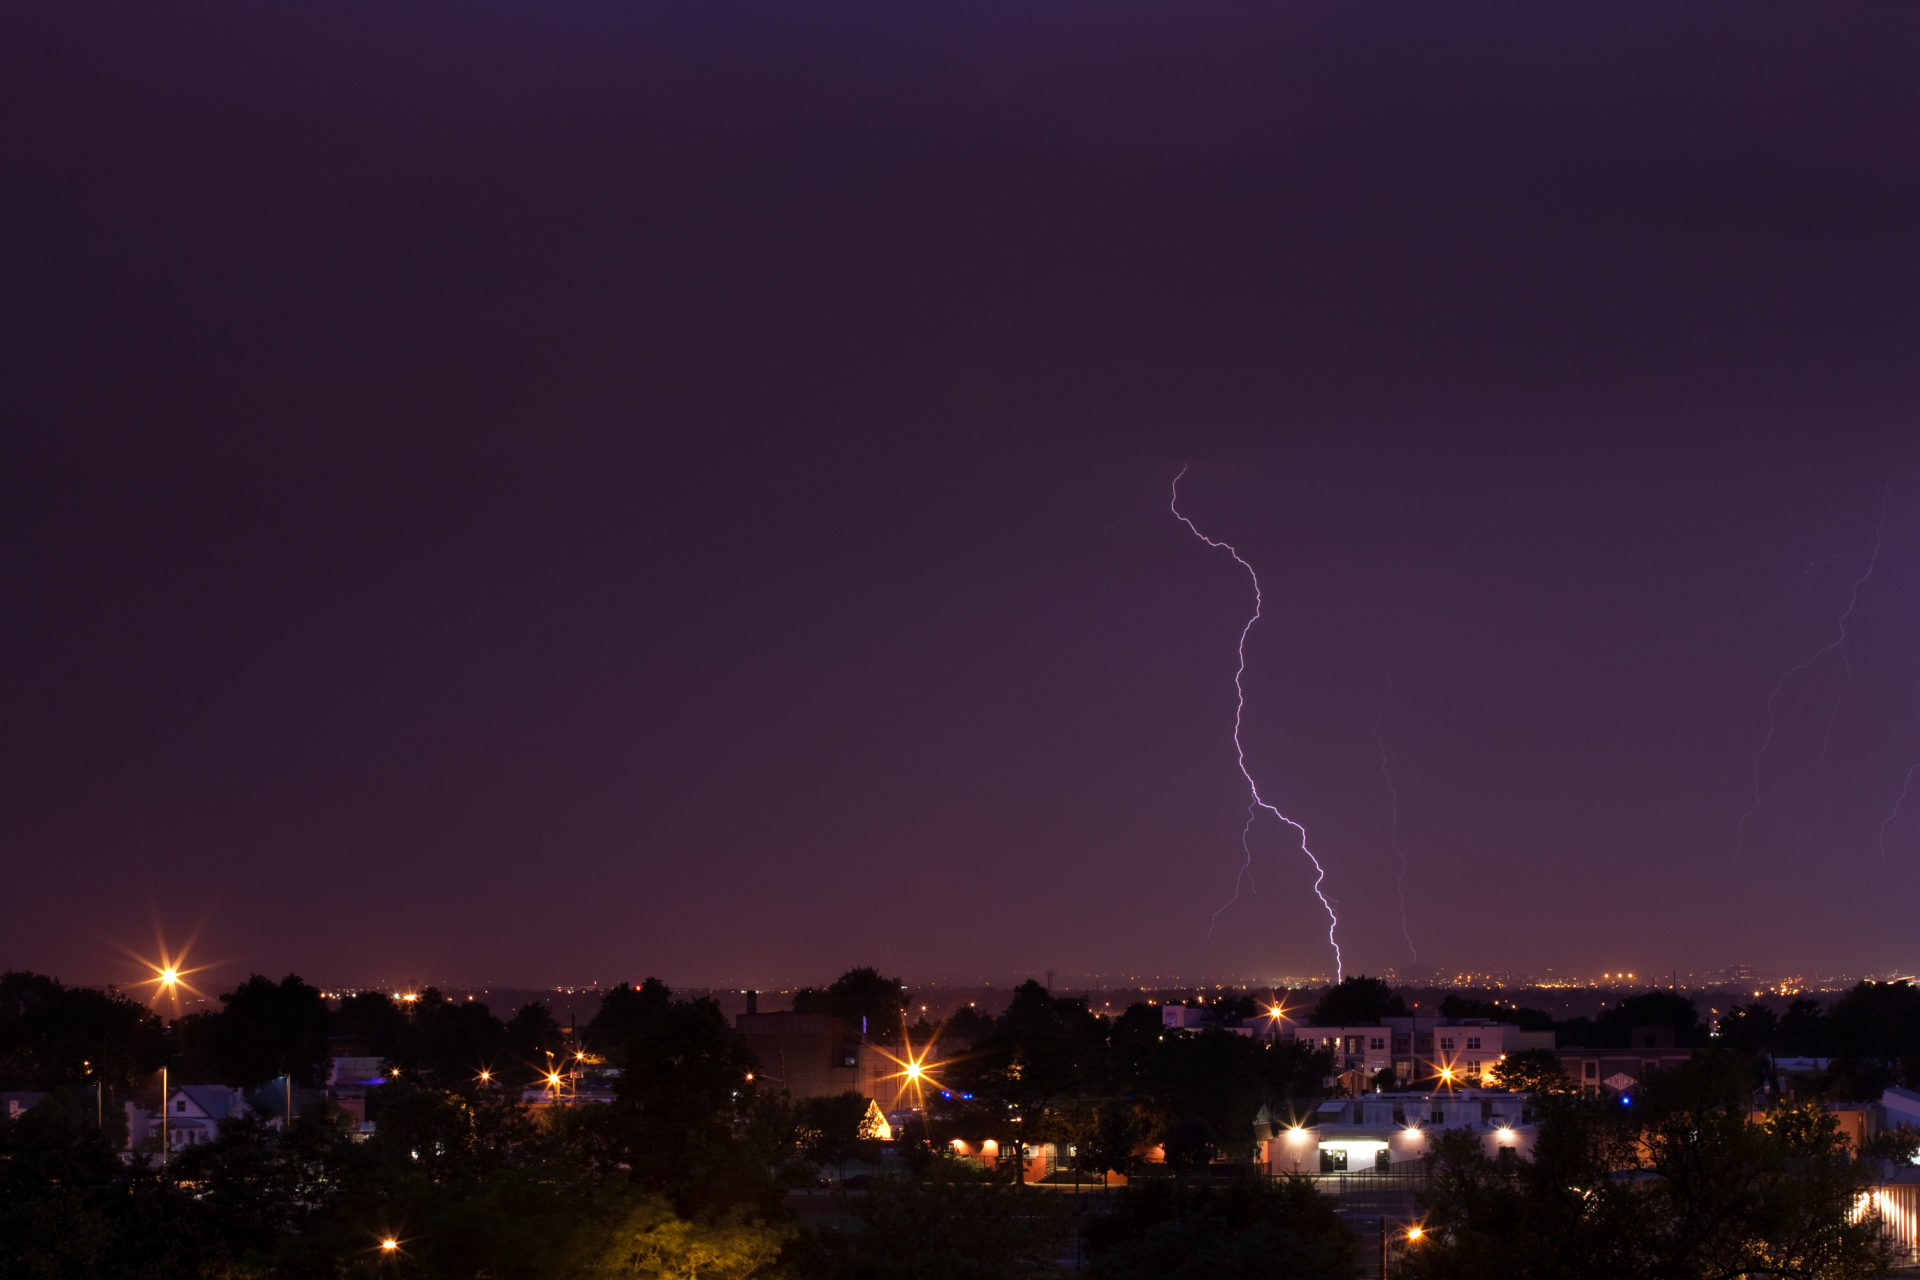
687, 1169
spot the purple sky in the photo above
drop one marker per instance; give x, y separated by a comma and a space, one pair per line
541, 493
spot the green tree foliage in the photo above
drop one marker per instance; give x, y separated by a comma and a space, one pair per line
52, 1034
1162, 1230
1357, 1001
650, 1242
1712, 1193
863, 999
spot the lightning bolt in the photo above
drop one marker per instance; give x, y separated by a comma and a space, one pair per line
1837, 644
1840, 642
1393, 811
1904, 792
1256, 800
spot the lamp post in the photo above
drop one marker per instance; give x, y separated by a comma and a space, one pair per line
163, 1115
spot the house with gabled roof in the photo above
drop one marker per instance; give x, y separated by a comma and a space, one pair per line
195, 1113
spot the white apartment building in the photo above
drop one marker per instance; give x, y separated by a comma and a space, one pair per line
1420, 1050
1376, 1131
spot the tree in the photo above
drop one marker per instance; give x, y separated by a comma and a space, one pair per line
52, 1035
53, 1161
1875, 1030
834, 1129
1805, 1031
1043, 1067
371, 1017
1356, 1002
1248, 1227
1188, 1145
651, 1242
1536, 1071
625, 1013
532, 1034
267, 1029
449, 1044
1752, 1027
1216, 1080
680, 1087
1118, 1128
867, 1002
1458, 1006
1715, 1194
1657, 1011
957, 1223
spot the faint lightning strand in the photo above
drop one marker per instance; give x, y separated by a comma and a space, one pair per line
1840, 643
1895, 812
1245, 874
1839, 639
1240, 752
1393, 811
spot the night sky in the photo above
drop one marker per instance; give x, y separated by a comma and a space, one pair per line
546, 493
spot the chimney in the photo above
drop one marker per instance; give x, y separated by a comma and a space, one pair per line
753, 1002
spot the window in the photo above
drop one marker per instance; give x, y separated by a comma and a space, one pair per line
1333, 1159
1473, 1042
1439, 1116
180, 1106
1592, 1071
1378, 1042
1446, 1044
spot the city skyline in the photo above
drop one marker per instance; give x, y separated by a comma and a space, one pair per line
626, 493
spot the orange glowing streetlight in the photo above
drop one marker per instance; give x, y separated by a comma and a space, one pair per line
168, 970
389, 1245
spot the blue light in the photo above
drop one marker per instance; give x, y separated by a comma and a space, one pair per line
966, 1097
1626, 1100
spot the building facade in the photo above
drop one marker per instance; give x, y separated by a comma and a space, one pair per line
1377, 1131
